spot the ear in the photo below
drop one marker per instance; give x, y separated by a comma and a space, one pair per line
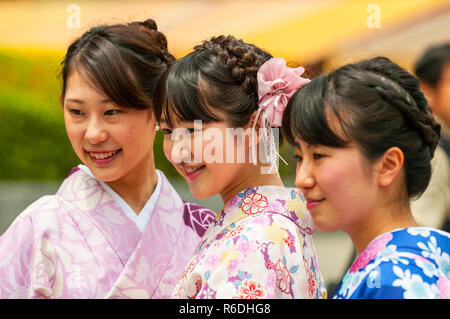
390, 166
428, 91
61, 100
251, 123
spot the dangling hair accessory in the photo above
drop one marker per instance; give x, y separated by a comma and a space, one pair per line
277, 83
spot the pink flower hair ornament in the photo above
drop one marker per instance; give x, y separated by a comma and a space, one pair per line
277, 83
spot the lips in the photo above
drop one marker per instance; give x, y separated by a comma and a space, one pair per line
102, 155
313, 203
192, 171
103, 158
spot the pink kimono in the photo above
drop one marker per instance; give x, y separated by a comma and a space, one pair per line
79, 243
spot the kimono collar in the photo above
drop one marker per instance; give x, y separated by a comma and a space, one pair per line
285, 201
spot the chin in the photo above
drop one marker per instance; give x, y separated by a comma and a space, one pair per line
103, 176
325, 227
200, 194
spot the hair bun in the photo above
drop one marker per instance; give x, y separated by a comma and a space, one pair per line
150, 24
159, 40
242, 59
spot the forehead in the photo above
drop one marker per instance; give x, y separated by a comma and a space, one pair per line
78, 87
171, 117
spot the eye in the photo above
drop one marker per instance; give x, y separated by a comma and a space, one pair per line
298, 158
192, 130
76, 112
112, 112
166, 131
318, 156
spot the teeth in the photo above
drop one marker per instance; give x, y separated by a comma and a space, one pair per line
191, 170
102, 155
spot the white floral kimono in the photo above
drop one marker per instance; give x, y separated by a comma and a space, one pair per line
259, 246
79, 243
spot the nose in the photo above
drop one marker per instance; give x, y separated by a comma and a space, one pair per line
180, 149
304, 178
95, 132
181, 154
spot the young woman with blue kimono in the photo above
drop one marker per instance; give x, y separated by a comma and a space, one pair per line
364, 138
115, 228
260, 243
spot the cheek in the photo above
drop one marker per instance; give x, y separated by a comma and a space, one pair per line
343, 184
135, 138
74, 134
332, 179
167, 148
348, 187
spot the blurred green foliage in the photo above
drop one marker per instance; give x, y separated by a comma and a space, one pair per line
32, 135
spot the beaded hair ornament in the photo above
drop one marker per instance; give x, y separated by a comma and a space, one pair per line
277, 83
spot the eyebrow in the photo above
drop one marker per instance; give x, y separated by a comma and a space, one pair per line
182, 122
82, 102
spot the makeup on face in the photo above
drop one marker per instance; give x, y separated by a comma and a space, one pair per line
111, 141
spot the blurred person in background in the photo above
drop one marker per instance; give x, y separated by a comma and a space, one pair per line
433, 71
115, 228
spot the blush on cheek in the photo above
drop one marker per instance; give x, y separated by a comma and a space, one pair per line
332, 179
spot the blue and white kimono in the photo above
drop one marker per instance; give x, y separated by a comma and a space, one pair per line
405, 263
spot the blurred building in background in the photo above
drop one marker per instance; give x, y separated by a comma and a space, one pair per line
319, 34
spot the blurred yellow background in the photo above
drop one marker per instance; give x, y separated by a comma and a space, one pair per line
299, 31
321, 34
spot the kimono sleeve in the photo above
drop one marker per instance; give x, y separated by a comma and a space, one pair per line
400, 280
16, 246
257, 257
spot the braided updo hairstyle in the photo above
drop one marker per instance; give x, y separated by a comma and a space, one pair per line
123, 61
378, 105
219, 75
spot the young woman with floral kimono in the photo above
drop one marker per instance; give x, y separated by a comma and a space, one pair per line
115, 228
364, 138
226, 96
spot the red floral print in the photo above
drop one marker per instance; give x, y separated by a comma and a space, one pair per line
311, 283
251, 290
283, 277
254, 203
289, 241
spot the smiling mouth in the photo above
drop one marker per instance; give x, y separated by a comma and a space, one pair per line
192, 169
103, 155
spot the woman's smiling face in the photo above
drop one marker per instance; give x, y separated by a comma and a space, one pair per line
112, 141
207, 157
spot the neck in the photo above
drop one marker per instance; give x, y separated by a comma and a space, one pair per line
137, 186
379, 222
251, 177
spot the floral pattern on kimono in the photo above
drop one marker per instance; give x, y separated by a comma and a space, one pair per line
409, 263
79, 243
259, 246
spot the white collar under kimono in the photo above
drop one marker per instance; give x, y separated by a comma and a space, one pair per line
142, 219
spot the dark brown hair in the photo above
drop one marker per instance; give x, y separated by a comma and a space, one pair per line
378, 105
430, 66
123, 61
220, 74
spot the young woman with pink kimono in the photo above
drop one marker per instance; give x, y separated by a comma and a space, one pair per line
260, 243
115, 228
